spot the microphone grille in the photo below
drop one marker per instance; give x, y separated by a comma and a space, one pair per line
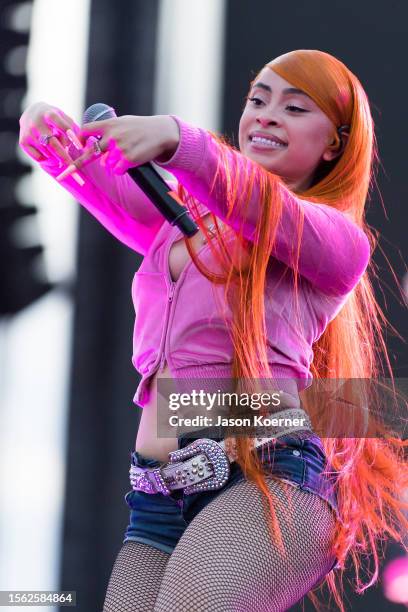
98, 112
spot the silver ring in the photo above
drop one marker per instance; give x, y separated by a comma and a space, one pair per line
45, 138
97, 147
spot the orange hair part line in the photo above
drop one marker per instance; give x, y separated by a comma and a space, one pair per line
372, 470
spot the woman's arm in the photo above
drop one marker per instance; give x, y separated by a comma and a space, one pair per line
115, 201
334, 252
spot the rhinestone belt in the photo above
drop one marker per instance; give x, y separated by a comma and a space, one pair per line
204, 464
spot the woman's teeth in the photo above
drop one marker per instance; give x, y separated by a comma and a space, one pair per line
268, 144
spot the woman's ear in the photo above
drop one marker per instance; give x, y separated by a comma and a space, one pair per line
336, 147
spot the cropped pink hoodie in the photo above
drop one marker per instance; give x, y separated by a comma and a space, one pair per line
180, 322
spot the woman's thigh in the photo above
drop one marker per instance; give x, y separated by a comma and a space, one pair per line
226, 561
135, 579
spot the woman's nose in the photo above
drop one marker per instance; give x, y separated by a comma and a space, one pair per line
265, 121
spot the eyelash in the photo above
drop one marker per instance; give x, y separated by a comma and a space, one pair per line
302, 110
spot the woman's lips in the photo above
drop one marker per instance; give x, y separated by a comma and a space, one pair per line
261, 146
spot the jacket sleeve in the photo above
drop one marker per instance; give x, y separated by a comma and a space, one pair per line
116, 202
334, 252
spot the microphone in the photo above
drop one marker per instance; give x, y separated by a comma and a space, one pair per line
150, 181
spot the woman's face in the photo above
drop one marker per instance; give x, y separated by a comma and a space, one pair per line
292, 117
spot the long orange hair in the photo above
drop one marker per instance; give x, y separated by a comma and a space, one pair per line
372, 474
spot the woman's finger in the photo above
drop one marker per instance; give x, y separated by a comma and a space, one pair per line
52, 140
34, 142
84, 158
55, 118
94, 148
72, 125
32, 152
95, 128
73, 138
55, 147
42, 144
59, 124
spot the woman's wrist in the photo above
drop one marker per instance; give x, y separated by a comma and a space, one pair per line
171, 139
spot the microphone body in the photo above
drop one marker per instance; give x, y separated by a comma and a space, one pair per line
150, 181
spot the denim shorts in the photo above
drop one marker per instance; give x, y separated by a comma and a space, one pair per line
295, 458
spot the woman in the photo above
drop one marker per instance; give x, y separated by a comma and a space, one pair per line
291, 250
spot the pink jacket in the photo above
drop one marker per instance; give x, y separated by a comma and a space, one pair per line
180, 322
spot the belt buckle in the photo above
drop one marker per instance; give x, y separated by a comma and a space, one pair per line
148, 480
217, 457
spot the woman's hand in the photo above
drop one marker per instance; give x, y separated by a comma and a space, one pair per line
43, 133
132, 140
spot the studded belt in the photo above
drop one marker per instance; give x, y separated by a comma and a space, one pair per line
204, 464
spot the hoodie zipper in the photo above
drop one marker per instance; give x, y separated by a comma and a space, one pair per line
171, 292
170, 299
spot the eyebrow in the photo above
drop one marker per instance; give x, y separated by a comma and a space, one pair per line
288, 90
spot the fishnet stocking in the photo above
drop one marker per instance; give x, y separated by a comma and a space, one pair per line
135, 578
225, 560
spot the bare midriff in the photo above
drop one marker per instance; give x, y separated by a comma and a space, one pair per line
149, 444
147, 441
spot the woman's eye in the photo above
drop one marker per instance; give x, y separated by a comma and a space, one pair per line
293, 108
297, 108
255, 100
